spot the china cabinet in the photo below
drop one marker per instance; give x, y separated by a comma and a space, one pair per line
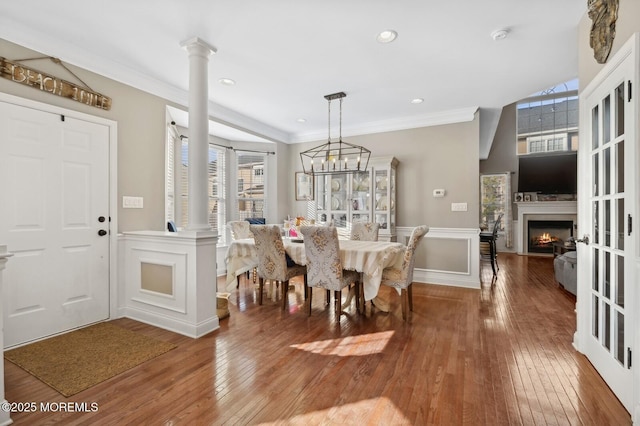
360, 197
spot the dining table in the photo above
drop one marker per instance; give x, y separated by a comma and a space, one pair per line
367, 257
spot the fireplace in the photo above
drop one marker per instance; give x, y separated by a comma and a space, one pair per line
541, 210
543, 233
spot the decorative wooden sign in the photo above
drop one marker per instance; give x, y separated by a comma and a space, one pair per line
47, 83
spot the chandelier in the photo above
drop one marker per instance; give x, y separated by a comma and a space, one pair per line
335, 157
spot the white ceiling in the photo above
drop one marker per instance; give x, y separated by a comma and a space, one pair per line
286, 55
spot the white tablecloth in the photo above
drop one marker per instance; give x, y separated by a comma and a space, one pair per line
368, 257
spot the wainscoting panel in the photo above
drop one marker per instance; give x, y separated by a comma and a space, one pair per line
447, 256
169, 280
148, 280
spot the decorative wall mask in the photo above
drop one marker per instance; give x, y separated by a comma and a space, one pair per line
603, 14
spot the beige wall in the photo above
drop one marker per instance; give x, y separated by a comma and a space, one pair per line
503, 156
443, 156
429, 158
627, 24
141, 133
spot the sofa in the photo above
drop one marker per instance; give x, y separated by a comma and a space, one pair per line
565, 269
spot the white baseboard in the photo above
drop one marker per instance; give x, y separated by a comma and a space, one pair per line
454, 279
171, 324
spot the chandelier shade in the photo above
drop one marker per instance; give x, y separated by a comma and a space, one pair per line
335, 157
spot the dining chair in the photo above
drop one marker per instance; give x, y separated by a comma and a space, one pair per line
272, 261
239, 231
324, 267
403, 278
365, 231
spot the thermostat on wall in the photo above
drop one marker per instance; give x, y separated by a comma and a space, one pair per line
438, 193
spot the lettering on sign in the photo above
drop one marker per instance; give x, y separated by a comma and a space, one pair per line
28, 76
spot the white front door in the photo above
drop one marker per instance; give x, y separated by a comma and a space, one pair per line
607, 200
55, 201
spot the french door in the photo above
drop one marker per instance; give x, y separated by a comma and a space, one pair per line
607, 200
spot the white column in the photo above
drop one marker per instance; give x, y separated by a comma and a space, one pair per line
5, 417
199, 53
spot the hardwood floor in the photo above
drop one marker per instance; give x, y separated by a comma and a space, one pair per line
498, 356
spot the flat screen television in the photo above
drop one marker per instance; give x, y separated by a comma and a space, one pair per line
548, 173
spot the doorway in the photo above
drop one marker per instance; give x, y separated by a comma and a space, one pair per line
55, 217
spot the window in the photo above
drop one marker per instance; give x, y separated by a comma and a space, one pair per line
548, 120
177, 185
547, 143
170, 205
250, 175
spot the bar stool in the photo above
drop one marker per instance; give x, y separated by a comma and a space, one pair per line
490, 238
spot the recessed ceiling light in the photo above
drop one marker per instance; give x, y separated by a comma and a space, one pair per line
499, 34
417, 101
387, 36
226, 81
301, 120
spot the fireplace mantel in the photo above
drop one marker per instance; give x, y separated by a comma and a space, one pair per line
546, 210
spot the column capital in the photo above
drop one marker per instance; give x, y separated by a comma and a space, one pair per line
197, 45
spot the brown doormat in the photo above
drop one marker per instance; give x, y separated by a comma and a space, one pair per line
75, 361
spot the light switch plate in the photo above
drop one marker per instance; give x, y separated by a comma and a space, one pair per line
132, 202
458, 207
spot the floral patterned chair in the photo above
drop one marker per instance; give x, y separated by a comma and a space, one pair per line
272, 262
403, 278
365, 231
324, 268
239, 231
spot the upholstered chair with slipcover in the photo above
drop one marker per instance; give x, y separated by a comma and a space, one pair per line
272, 262
324, 268
402, 278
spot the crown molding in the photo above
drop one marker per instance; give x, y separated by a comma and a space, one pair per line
71, 54
460, 115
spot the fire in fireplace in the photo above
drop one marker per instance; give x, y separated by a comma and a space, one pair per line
543, 233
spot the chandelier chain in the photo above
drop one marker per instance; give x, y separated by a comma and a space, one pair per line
329, 122
341, 119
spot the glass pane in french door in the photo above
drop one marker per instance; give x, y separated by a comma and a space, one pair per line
607, 152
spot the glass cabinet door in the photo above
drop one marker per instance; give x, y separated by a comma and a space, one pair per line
360, 197
322, 197
382, 205
339, 202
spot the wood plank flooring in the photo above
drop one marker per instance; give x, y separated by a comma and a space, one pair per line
501, 355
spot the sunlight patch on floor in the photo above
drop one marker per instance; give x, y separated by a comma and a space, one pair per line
361, 345
356, 410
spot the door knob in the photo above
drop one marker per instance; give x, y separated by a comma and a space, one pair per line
584, 239
102, 232
101, 219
